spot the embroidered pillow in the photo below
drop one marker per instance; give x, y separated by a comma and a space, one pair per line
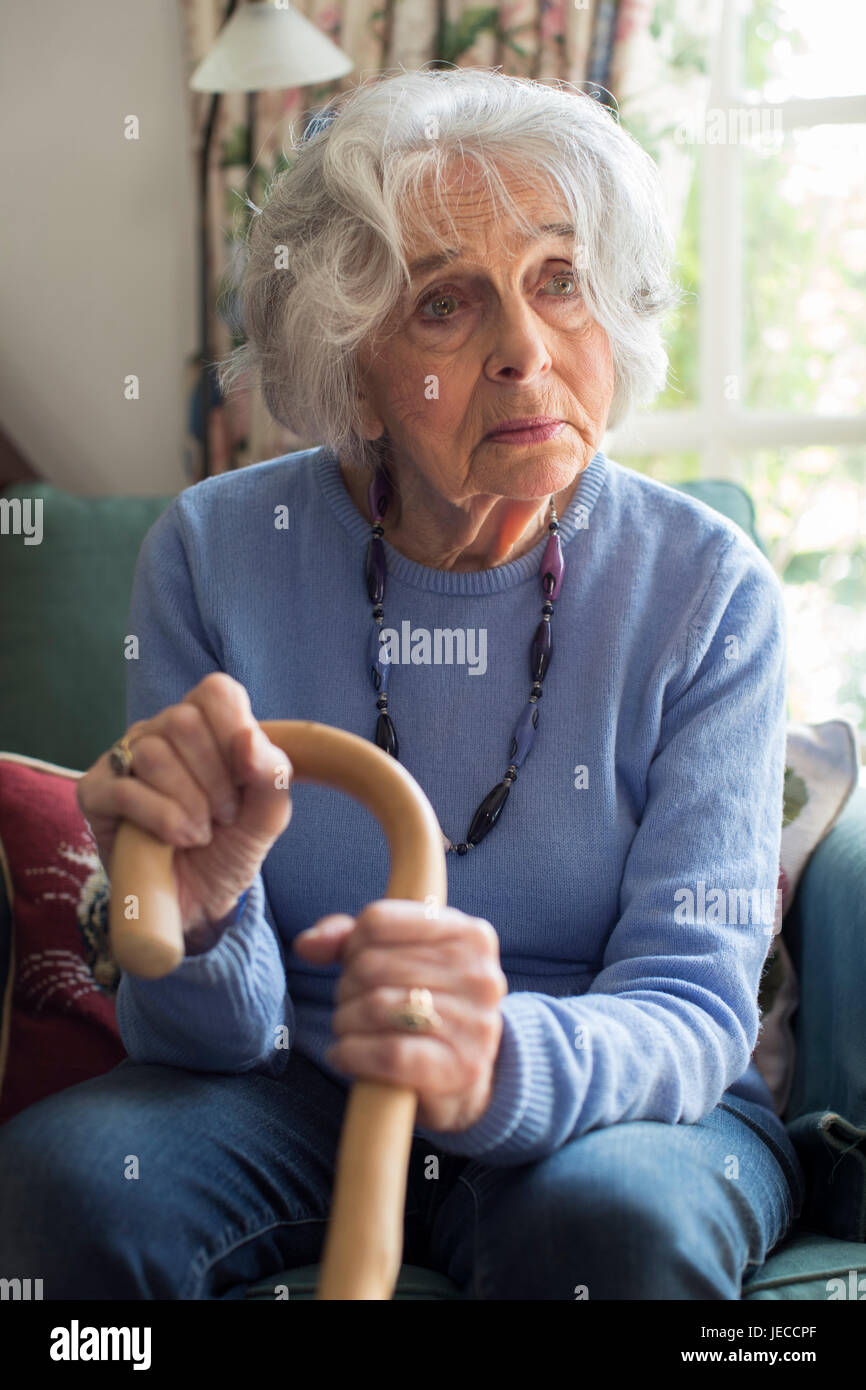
59, 1024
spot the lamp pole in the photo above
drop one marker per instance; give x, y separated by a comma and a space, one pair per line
259, 47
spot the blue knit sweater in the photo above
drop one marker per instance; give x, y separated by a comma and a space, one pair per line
631, 878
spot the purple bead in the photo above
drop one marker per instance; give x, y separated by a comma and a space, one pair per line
524, 735
542, 650
552, 567
375, 570
378, 495
379, 669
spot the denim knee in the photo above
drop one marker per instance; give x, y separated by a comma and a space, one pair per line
560, 1230
65, 1211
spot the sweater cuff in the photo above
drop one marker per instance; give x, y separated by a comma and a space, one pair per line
515, 1124
207, 960
209, 934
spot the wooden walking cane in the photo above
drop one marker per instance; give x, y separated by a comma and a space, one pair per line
364, 1245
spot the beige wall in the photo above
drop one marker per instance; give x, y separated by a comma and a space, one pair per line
98, 241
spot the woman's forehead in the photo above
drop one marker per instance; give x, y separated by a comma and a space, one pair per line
463, 189
426, 253
442, 225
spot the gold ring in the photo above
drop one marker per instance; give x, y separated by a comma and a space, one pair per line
419, 1015
120, 757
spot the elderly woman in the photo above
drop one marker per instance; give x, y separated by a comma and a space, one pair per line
458, 287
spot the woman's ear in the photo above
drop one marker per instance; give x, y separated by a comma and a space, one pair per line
372, 426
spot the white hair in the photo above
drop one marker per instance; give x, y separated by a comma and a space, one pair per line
324, 264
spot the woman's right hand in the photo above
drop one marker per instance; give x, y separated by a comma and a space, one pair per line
193, 763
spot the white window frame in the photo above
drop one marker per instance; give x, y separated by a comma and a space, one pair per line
719, 428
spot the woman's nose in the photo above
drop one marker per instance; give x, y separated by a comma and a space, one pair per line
518, 341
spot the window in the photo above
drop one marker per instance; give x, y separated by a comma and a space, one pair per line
768, 355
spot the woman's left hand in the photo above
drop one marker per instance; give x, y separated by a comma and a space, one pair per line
394, 946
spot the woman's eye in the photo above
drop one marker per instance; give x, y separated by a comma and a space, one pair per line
565, 275
433, 298
442, 295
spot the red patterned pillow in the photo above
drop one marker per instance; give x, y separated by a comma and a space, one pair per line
59, 1024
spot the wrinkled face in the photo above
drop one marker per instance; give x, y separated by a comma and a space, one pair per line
499, 332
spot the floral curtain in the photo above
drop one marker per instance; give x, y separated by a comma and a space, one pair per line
647, 58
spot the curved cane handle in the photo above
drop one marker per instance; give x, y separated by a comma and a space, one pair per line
364, 1244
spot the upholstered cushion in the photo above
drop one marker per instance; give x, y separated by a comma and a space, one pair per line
813, 1267
62, 695
300, 1284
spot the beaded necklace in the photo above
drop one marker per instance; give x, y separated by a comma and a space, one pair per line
379, 667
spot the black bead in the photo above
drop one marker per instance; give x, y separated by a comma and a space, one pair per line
386, 735
539, 660
488, 812
462, 848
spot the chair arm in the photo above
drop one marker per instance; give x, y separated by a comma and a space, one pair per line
825, 931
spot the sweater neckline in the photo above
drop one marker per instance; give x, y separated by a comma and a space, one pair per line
574, 520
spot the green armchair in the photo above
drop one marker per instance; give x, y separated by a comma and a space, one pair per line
62, 700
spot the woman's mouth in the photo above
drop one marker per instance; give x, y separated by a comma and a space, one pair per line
520, 432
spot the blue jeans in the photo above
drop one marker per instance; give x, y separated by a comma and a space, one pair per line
156, 1182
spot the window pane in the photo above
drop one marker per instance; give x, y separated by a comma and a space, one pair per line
800, 48
811, 515
805, 270
665, 468
681, 328
679, 167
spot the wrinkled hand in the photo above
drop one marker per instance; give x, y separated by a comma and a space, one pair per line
208, 781
394, 946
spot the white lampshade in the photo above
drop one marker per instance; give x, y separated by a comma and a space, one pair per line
267, 46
